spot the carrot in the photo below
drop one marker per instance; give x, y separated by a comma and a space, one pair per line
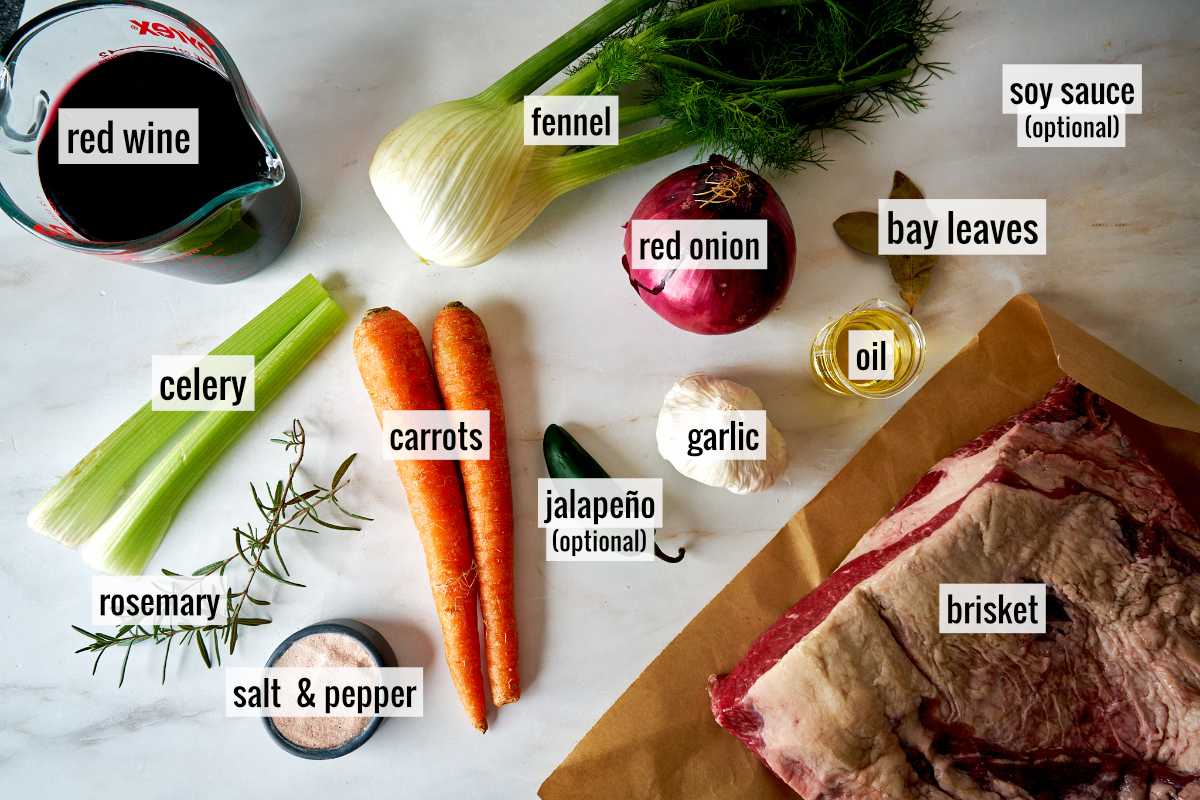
396, 372
462, 359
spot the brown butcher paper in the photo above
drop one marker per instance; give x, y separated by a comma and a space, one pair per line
659, 739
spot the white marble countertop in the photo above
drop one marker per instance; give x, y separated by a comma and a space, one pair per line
575, 346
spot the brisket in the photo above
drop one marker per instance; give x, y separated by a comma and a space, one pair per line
853, 693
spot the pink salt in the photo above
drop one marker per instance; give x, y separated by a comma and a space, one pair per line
323, 650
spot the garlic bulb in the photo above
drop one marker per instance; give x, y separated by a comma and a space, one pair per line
459, 182
698, 400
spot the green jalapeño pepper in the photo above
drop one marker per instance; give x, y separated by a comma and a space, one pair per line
566, 458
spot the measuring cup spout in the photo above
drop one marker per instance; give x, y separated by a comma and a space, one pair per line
273, 166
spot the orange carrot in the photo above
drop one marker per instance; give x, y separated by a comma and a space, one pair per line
462, 359
396, 372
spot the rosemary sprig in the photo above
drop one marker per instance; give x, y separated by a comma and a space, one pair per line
285, 508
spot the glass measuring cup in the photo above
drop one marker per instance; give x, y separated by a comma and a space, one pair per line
232, 234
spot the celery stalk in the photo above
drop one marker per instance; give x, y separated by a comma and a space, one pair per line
125, 542
80, 502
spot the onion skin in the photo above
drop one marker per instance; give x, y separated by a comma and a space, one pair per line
715, 301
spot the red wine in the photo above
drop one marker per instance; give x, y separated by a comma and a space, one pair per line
120, 203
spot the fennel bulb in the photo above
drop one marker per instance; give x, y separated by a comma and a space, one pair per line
760, 81
458, 181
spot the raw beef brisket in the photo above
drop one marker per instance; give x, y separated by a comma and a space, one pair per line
853, 693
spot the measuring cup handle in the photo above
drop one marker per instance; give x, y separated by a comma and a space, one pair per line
15, 135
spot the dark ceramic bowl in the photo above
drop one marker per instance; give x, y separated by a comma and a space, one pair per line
380, 651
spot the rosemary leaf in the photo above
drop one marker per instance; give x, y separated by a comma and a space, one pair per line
270, 573
341, 471
124, 664
166, 656
203, 651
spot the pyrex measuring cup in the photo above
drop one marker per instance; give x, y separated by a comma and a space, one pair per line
230, 235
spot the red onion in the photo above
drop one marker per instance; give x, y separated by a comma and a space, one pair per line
715, 300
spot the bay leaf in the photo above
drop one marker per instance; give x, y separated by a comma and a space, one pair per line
912, 274
904, 189
860, 230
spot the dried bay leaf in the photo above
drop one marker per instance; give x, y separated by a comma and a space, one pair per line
912, 274
859, 230
904, 189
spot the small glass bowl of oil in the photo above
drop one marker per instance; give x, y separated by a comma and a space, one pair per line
830, 350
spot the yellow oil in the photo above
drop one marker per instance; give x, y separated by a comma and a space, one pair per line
830, 350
